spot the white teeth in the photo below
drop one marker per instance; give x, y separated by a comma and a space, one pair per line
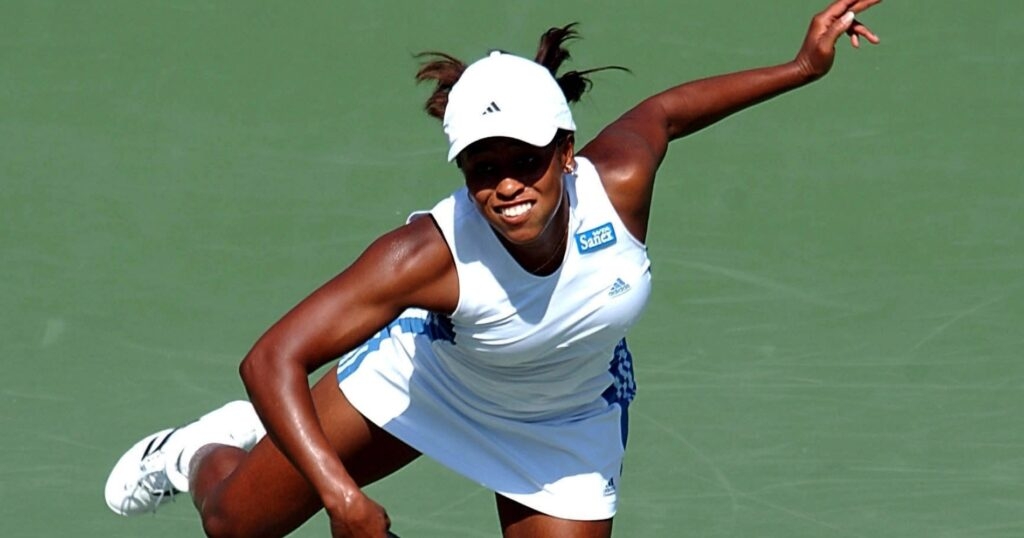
516, 210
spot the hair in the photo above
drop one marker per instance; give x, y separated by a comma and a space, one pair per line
445, 70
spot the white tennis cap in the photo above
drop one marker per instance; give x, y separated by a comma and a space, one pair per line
505, 95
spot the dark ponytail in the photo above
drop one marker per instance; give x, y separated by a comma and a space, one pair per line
446, 71
551, 53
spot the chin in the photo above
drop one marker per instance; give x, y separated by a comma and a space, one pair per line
519, 239
519, 236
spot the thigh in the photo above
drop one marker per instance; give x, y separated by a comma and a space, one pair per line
266, 496
518, 521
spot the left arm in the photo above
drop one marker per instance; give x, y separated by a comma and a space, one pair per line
628, 152
693, 106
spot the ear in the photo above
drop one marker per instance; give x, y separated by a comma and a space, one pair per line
568, 153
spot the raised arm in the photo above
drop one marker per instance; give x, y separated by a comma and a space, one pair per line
628, 152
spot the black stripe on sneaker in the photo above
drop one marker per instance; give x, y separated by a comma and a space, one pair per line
151, 449
164, 442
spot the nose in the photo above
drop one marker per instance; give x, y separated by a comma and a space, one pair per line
509, 188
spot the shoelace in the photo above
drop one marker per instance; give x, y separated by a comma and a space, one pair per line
154, 481
155, 484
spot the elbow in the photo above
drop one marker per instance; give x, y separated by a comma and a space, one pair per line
268, 365
255, 368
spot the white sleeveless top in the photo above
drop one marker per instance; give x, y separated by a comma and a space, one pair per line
533, 347
524, 388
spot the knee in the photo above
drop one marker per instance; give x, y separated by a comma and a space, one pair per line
229, 518
209, 480
223, 519
218, 524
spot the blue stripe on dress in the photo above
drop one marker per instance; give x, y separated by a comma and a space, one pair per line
435, 327
623, 387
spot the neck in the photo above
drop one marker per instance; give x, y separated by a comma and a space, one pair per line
544, 255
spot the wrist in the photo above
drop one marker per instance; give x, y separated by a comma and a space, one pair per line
339, 496
805, 69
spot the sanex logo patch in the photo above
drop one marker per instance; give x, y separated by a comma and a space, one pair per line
596, 239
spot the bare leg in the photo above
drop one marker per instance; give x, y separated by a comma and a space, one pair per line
518, 521
260, 493
213, 464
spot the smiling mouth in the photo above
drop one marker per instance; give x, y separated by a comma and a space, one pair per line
515, 210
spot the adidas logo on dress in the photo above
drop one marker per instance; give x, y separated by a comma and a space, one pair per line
609, 488
618, 288
493, 107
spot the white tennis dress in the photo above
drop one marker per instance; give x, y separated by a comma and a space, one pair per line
524, 388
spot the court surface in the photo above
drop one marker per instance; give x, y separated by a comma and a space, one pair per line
834, 344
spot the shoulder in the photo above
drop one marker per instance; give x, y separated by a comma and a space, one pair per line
626, 162
412, 262
416, 247
630, 149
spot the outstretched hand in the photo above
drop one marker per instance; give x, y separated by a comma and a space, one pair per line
819, 47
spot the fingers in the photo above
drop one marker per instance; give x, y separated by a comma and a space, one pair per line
840, 25
855, 29
838, 10
856, 6
840, 17
861, 5
818, 50
839, 7
858, 29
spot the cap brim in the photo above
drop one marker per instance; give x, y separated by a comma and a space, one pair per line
533, 134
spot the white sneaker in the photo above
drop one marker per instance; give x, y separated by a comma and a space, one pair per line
156, 468
235, 424
138, 483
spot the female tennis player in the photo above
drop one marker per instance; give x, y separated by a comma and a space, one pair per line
487, 332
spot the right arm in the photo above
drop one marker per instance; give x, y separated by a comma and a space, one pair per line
410, 266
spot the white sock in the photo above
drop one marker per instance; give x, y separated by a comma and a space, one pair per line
235, 424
